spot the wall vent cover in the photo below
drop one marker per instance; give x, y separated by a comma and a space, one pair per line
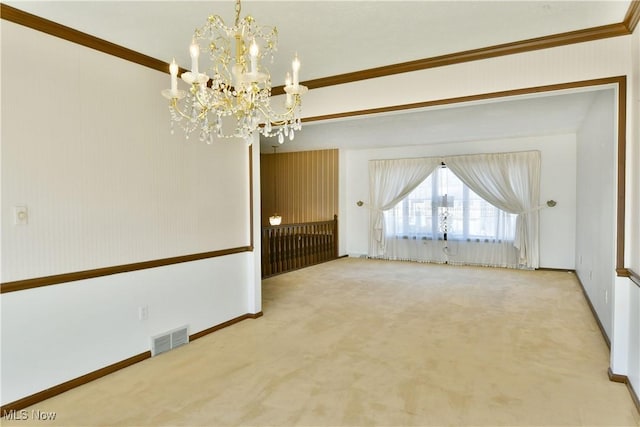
169, 340
179, 337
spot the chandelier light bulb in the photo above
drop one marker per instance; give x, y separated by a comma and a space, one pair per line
194, 51
253, 54
295, 65
173, 69
254, 50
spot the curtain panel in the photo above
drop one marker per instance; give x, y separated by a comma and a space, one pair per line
389, 182
454, 252
509, 181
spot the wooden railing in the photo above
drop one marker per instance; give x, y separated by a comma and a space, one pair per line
293, 246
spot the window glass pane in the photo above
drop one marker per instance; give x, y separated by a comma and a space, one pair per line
442, 203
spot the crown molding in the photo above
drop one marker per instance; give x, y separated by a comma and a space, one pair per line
633, 16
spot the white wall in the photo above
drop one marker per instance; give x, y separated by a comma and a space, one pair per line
583, 61
557, 182
633, 223
86, 147
633, 158
56, 333
633, 349
255, 268
596, 201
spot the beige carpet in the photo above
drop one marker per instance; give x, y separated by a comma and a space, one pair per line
360, 342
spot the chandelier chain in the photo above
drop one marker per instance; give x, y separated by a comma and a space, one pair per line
238, 10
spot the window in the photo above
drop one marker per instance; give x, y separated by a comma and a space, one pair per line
443, 204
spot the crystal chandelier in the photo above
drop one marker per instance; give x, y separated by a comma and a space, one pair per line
239, 86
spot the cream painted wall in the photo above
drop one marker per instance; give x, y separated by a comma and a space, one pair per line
57, 333
558, 181
625, 346
596, 201
633, 218
255, 267
633, 157
86, 147
583, 61
633, 351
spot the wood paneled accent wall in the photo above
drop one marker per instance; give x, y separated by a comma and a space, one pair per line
306, 186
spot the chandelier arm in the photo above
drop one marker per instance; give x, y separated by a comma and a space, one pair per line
176, 108
268, 112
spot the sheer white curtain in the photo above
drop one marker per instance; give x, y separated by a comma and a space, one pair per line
511, 182
465, 230
389, 182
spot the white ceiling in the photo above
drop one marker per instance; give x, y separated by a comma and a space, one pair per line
335, 37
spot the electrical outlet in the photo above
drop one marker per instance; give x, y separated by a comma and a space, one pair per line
143, 312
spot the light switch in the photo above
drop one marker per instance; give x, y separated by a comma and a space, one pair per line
20, 215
